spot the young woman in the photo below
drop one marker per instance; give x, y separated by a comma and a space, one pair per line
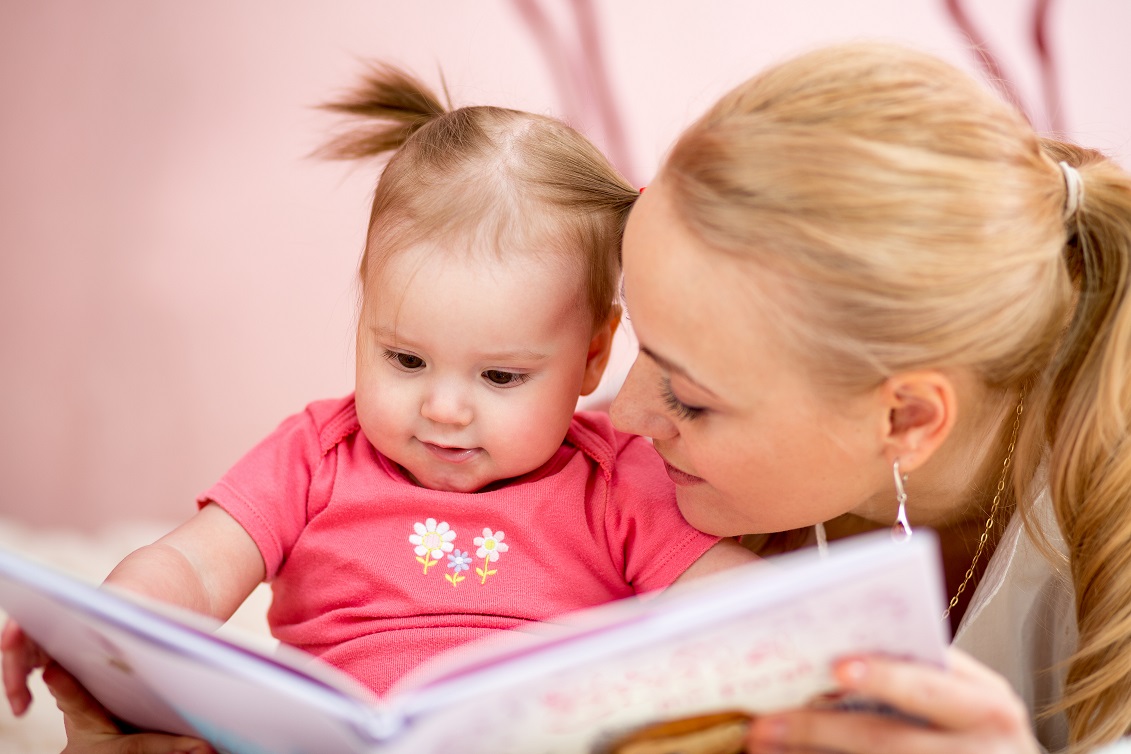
867, 294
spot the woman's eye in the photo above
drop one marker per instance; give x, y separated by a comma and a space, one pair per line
677, 407
502, 379
405, 360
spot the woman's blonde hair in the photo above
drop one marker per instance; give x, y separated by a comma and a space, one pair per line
489, 177
917, 221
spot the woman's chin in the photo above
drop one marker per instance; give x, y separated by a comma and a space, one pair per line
705, 514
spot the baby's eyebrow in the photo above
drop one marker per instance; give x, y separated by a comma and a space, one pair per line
519, 354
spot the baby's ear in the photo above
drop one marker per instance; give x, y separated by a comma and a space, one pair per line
599, 349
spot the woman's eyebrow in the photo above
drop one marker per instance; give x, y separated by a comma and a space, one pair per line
675, 369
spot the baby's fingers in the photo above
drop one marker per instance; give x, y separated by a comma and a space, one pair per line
20, 656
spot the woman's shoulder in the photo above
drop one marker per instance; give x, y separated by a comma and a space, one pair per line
1021, 620
1028, 569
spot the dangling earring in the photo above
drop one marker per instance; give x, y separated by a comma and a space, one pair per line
900, 530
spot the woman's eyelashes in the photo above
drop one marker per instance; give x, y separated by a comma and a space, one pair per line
407, 362
677, 407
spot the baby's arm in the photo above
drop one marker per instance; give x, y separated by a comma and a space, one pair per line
728, 553
208, 564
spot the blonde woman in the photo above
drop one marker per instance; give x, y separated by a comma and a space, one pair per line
867, 293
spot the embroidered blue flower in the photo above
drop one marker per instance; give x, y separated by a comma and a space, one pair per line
459, 560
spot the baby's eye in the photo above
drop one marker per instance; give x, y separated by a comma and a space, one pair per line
405, 361
504, 379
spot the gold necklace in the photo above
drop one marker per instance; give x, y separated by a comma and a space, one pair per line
993, 508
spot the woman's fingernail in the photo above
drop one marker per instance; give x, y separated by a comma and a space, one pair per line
853, 672
767, 735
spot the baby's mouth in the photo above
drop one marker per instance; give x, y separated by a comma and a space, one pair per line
452, 455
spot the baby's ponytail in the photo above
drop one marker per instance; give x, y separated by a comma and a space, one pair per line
1088, 420
390, 104
490, 178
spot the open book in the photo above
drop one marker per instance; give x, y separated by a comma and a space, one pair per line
757, 638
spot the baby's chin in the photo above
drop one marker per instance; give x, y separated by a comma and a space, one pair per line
465, 483
480, 475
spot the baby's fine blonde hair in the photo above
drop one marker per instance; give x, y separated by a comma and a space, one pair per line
485, 178
916, 221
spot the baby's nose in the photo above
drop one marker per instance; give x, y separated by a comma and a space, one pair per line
447, 405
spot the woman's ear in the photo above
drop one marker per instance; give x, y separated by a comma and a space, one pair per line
600, 347
922, 408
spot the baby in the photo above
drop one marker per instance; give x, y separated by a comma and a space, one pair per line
456, 493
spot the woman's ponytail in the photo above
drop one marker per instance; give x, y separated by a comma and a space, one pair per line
1088, 420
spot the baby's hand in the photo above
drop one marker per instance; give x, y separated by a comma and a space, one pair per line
20, 657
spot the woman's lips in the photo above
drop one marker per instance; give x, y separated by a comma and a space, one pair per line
681, 478
452, 455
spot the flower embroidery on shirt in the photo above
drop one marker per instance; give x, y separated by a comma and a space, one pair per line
491, 546
432, 540
457, 561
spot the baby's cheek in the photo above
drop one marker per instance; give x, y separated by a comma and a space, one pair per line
385, 416
534, 431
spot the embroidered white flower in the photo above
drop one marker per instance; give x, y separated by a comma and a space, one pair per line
432, 539
491, 545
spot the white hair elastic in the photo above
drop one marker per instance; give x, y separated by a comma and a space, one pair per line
1074, 186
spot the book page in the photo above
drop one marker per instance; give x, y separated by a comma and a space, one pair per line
758, 639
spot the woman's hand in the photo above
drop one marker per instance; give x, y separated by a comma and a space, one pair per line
967, 708
20, 657
91, 731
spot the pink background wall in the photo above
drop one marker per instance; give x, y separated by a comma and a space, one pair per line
176, 275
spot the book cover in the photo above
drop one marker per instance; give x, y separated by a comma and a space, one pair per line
756, 638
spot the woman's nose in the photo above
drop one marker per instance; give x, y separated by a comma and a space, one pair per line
447, 404
637, 407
